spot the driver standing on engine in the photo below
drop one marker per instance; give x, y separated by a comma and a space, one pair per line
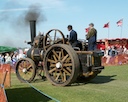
73, 36
91, 37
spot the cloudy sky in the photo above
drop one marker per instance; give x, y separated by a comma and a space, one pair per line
60, 13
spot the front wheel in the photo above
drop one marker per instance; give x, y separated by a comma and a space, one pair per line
25, 70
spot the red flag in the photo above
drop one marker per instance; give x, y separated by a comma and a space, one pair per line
120, 22
106, 25
86, 30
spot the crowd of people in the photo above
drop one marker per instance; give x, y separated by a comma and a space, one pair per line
11, 58
112, 52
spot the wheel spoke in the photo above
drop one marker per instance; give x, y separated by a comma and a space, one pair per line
20, 71
52, 70
64, 76
66, 72
57, 41
55, 36
28, 75
65, 58
52, 65
67, 64
61, 76
68, 59
57, 77
24, 64
30, 69
69, 69
20, 67
49, 37
55, 58
55, 74
51, 61
29, 66
62, 51
55, 53
59, 56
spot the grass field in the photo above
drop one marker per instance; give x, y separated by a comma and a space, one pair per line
109, 86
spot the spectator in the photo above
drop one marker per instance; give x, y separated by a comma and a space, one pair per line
113, 54
113, 51
21, 54
2, 59
103, 51
14, 59
120, 50
8, 59
108, 54
125, 50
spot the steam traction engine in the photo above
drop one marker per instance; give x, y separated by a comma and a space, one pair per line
61, 63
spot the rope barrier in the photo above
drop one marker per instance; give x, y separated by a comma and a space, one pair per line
2, 86
42, 92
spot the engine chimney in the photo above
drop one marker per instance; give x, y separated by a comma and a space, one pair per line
33, 30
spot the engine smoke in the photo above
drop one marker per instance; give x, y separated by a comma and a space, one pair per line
18, 21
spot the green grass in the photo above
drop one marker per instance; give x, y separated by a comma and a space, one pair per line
109, 86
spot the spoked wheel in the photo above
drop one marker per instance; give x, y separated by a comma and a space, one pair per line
25, 70
61, 65
53, 36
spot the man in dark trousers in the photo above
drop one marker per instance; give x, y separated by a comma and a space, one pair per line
91, 37
73, 36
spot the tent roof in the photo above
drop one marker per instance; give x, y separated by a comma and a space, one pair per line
4, 49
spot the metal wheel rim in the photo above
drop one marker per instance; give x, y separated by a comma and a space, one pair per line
47, 38
61, 70
71, 65
25, 70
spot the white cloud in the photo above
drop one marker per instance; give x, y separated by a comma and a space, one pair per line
44, 3
23, 5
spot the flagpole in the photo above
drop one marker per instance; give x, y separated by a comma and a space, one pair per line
107, 26
108, 29
120, 23
121, 31
108, 33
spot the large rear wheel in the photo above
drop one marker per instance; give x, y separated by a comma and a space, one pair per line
61, 65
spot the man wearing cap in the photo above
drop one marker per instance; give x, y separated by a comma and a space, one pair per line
91, 37
73, 36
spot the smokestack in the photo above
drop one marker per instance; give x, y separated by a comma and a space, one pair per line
33, 29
